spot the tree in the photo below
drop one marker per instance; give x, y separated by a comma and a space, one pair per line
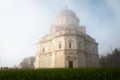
112, 59
28, 62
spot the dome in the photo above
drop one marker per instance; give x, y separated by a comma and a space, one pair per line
67, 12
66, 18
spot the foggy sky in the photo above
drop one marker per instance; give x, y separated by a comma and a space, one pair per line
24, 22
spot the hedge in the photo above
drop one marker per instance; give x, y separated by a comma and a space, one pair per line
62, 74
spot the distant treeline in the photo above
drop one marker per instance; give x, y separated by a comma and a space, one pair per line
112, 59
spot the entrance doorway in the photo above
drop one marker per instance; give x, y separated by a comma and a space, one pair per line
70, 64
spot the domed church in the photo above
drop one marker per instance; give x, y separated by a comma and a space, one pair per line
67, 45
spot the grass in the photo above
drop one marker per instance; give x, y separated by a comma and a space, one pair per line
62, 74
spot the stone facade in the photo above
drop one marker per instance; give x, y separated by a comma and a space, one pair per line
67, 45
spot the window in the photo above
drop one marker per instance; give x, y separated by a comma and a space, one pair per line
79, 45
43, 50
70, 45
59, 46
69, 31
53, 46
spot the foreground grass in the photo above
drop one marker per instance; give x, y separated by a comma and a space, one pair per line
62, 74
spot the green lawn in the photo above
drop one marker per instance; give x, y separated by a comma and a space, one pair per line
62, 74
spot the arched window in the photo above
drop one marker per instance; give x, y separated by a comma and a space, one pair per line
43, 49
53, 46
70, 45
59, 46
79, 45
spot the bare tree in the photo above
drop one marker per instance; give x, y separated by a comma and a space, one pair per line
27, 62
